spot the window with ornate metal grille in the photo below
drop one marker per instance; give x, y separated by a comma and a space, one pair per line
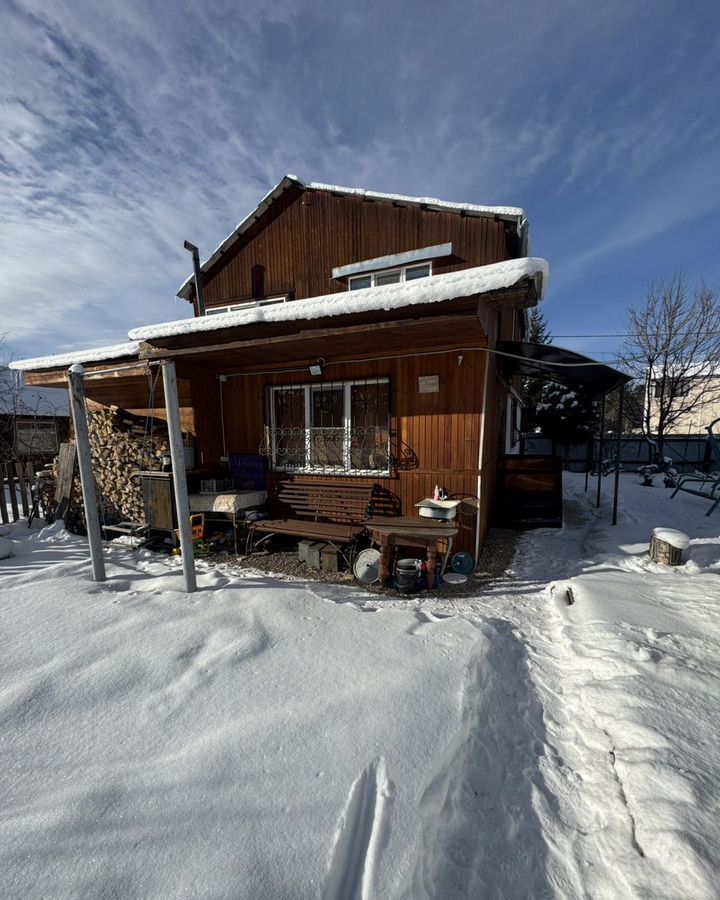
340, 427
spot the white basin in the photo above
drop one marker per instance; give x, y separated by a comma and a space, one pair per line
438, 509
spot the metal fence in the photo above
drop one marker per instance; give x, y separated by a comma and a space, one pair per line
687, 452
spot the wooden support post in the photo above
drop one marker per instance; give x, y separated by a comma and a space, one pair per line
11, 489
177, 455
76, 376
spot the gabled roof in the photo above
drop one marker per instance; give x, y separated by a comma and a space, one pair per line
510, 213
436, 289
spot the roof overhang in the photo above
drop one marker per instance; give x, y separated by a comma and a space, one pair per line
433, 314
436, 289
581, 373
91, 355
443, 311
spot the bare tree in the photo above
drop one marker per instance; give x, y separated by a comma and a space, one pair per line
673, 349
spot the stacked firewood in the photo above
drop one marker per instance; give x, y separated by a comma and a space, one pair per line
122, 444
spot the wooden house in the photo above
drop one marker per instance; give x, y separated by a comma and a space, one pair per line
344, 334
33, 421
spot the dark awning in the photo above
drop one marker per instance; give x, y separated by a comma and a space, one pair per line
582, 374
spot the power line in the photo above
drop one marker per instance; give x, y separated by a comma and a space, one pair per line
627, 334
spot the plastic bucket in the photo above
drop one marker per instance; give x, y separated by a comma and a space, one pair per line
406, 576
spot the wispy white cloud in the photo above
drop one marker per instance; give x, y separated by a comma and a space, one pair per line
127, 127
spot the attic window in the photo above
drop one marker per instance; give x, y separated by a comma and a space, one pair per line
407, 259
246, 304
393, 276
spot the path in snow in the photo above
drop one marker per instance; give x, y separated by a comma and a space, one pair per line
481, 835
624, 789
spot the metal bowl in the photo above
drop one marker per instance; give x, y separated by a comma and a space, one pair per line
366, 566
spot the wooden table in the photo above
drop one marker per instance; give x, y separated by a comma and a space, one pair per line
406, 531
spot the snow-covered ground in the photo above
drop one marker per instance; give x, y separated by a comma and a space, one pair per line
273, 739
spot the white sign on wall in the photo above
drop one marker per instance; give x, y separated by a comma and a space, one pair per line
429, 384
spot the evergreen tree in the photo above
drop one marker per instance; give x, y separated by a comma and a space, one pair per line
538, 333
538, 330
563, 414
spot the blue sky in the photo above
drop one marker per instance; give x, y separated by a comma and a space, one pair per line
127, 127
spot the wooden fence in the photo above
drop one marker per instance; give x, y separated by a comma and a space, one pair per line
16, 480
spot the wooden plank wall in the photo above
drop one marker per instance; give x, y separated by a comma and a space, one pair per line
497, 326
298, 244
439, 432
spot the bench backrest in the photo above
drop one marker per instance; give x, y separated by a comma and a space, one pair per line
338, 502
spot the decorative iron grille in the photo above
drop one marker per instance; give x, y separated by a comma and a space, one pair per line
334, 427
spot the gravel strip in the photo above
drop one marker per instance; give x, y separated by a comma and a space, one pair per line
495, 559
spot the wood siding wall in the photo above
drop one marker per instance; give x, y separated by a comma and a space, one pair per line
437, 433
295, 246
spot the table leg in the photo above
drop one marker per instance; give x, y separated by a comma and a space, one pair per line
431, 563
447, 556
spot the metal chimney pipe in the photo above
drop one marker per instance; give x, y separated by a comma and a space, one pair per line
198, 277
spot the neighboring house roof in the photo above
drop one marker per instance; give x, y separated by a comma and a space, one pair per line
18, 400
511, 213
450, 286
96, 354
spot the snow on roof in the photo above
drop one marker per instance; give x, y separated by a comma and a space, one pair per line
509, 212
434, 289
93, 354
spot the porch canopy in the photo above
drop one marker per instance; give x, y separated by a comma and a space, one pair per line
581, 373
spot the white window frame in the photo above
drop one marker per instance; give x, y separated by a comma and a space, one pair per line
402, 270
513, 414
309, 468
246, 304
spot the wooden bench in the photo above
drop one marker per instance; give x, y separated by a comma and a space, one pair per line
335, 512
